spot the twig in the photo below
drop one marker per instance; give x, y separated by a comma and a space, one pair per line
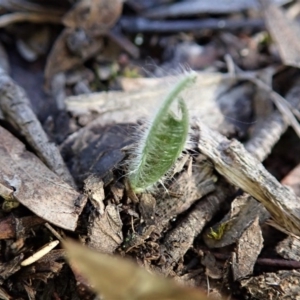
18, 17
282, 105
271, 262
135, 25
272, 128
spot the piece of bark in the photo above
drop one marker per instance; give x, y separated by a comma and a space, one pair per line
105, 225
17, 110
147, 208
273, 286
248, 248
264, 138
289, 248
9, 268
244, 211
35, 186
96, 149
243, 170
179, 240
105, 232
12, 227
93, 188
7, 228
194, 183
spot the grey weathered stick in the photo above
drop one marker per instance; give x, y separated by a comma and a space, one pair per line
270, 132
17, 110
281, 103
238, 166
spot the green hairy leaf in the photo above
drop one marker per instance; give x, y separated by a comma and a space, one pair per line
162, 142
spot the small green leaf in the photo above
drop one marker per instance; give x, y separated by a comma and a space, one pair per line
162, 142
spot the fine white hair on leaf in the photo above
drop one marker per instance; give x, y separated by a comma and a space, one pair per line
162, 140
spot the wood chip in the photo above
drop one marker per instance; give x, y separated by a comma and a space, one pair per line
35, 186
244, 211
105, 232
248, 249
274, 286
289, 248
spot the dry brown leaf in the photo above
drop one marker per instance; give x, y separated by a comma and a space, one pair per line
86, 23
120, 279
35, 186
62, 59
99, 15
284, 31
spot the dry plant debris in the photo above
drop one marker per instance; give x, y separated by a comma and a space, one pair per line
103, 271
25, 179
221, 223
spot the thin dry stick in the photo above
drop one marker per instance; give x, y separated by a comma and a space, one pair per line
280, 102
18, 17
270, 131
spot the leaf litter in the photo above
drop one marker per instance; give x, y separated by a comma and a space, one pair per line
220, 197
